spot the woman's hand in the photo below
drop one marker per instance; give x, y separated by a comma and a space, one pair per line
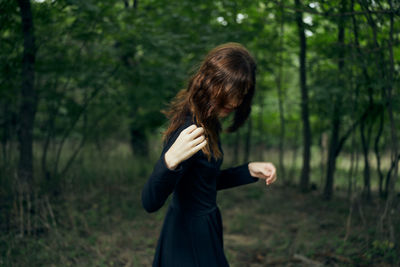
263, 170
189, 141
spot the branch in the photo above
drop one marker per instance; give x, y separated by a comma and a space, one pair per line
352, 128
82, 143
83, 109
307, 261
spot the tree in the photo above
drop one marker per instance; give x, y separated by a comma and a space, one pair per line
305, 171
26, 114
337, 107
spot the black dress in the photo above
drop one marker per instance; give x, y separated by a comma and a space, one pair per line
192, 231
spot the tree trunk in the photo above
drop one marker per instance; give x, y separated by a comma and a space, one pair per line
293, 168
382, 71
367, 182
281, 99
377, 154
333, 144
134, 4
351, 189
395, 155
248, 140
324, 156
138, 138
27, 112
305, 172
336, 114
8, 130
260, 147
139, 142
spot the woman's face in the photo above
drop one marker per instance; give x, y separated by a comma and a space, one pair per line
228, 108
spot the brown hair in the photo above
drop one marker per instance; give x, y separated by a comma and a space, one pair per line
227, 73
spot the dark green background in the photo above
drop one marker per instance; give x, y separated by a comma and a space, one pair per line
104, 70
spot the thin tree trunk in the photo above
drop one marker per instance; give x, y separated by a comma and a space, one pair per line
8, 129
52, 114
134, 4
354, 150
138, 137
336, 114
248, 140
350, 187
370, 107
323, 159
305, 171
293, 168
260, 147
367, 183
139, 142
27, 111
395, 155
331, 164
281, 94
350, 190
4, 136
382, 67
377, 154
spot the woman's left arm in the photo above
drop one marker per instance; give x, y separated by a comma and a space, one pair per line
246, 174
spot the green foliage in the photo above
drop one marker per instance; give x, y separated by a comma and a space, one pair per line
382, 249
104, 70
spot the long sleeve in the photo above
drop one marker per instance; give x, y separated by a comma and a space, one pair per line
162, 180
235, 176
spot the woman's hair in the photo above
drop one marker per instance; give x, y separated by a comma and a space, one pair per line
227, 73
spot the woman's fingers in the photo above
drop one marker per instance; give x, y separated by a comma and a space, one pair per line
198, 140
263, 170
190, 140
198, 131
270, 181
199, 146
269, 172
271, 178
190, 129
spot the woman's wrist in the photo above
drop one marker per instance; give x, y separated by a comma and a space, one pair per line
170, 162
251, 171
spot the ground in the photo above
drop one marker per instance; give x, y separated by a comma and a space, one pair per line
99, 221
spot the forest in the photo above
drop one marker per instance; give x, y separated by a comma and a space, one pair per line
82, 88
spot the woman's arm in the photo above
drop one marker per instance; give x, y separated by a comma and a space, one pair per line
245, 174
175, 159
160, 184
235, 176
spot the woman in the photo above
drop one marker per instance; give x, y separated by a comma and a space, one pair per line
190, 162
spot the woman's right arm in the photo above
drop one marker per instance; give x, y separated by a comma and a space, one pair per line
171, 165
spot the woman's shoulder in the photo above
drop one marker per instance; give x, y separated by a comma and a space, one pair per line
187, 120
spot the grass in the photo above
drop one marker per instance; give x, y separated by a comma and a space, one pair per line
284, 222
100, 222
